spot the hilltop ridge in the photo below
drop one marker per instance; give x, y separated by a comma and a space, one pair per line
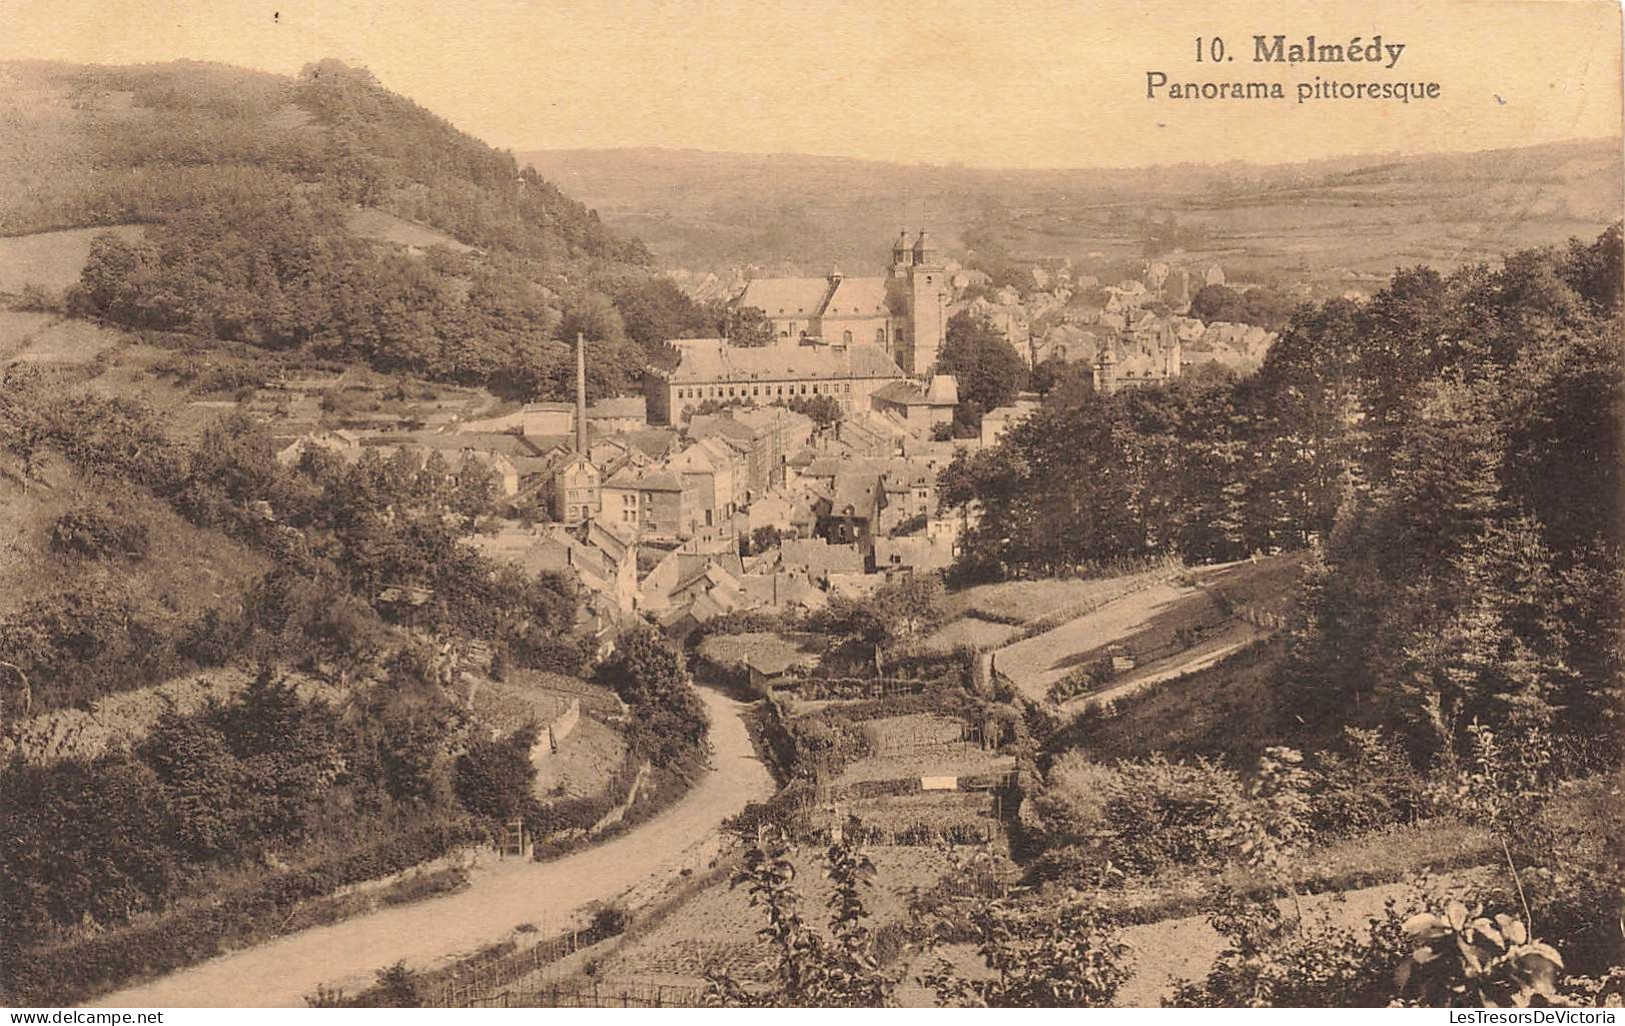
1336, 218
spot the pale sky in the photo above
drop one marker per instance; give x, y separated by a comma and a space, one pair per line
992, 84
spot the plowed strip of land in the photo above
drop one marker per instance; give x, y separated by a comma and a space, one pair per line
1037, 662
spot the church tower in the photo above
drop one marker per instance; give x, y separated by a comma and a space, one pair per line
1106, 370
901, 256
928, 295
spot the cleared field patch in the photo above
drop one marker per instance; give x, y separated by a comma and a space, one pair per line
52, 260
1166, 629
1028, 601
969, 632
509, 705
46, 339
584, 763
380, 226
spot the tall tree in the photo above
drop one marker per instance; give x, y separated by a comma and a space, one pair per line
989, 371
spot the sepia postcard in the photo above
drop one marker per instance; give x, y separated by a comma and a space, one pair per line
674, 504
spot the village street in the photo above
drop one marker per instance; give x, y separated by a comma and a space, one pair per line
502, 895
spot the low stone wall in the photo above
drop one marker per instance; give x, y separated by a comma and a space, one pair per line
619, 812
550, 736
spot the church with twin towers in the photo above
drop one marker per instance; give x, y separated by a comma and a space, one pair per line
902, 313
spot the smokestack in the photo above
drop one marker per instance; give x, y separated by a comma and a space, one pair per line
581, 395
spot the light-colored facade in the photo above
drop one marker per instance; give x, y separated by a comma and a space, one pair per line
902, 312
710, 369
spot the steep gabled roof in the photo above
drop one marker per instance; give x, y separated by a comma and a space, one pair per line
858, 297
716, 360
786, 297
660, 481
819, 558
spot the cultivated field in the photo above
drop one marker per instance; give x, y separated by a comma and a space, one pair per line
381, 226
52, 260
717, 928
1029, 601
1169, 628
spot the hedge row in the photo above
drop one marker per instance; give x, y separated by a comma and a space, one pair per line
73, 972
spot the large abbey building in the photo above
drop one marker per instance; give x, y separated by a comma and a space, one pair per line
901, 313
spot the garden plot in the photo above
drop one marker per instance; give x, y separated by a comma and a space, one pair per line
717, 929
53, 260
962, 759
891, 735
936, 812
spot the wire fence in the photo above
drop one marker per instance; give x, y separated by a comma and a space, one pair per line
814, 689
600, 994
477, 981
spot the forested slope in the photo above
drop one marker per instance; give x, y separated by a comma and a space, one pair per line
251, 187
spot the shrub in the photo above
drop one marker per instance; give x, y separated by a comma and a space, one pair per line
1370, 785
1275, 960
69, 973
493, 778
609, 921
101, 532
1040, 956
397, 988
1141, 815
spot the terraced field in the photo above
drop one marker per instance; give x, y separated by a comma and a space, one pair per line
1169, 628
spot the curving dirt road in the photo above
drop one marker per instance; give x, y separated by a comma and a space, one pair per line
280, 973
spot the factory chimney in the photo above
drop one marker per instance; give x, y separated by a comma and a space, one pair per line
581, 395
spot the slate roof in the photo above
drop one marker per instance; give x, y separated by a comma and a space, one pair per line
716, 360
660, 481
786, 297
819, 558
858, 297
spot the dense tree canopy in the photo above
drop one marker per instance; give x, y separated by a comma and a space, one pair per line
1451, 450
1262, 306
252, 234
989, 371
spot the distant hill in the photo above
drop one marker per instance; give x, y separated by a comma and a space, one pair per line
1337, 221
